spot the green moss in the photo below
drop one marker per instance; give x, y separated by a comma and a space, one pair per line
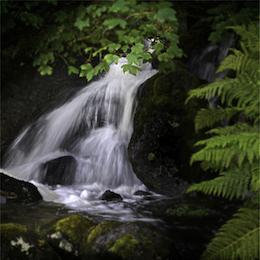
125, 246
186, 211
12, 230
101, 229
199, 212
183, 210
147, 243
74, 226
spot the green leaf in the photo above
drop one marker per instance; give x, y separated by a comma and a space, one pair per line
166, 14
146, 56
45, 70
99, 50
111, 23
109, 58
61, 16
120, 6
114, 47
125, 48
158, 47
163, 57
131, 68
87, 49
86, 67
81, 23
90, 75
72, 69
138, 47
43, 59
133, 58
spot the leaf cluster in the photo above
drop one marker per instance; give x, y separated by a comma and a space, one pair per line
233, 150
231, 13
100, 32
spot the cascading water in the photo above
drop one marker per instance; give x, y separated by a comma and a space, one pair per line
87, 138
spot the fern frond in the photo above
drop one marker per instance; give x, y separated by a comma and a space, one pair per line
211, 90
255, 181
239, 62
237, 239
208, 117
229, 184
244, 90
249, 36
223, 149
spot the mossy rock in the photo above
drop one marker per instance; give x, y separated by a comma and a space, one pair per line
114, 240
76, 237
74, 226
12, 230
187, 211
164, 136
17, 242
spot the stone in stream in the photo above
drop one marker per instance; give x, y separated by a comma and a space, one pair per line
14, 190
59, 171
111, 196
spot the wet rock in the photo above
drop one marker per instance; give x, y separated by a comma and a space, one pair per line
13, 190
111, 196
17, 242
67, 234
142, 193
163, 137
76, 237
59, 171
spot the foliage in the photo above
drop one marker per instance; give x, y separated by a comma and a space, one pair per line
231, 13
233, 150
100, 32
237, 239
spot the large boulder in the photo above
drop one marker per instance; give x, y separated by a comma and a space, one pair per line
163, 137
59, 171
13, 190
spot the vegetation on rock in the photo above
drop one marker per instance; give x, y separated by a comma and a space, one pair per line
233, 150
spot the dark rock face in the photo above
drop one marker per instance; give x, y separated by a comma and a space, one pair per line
59, 171
13, 190
164, 135
111, 196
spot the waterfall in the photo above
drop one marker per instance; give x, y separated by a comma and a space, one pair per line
84, 141
204, 65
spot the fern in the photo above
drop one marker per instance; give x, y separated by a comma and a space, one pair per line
243, 244
233, 151
229, 184
226, 147
249, 36
208, 117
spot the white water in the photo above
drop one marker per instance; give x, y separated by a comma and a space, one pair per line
95, 128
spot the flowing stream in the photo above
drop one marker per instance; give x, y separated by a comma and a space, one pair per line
76, 152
